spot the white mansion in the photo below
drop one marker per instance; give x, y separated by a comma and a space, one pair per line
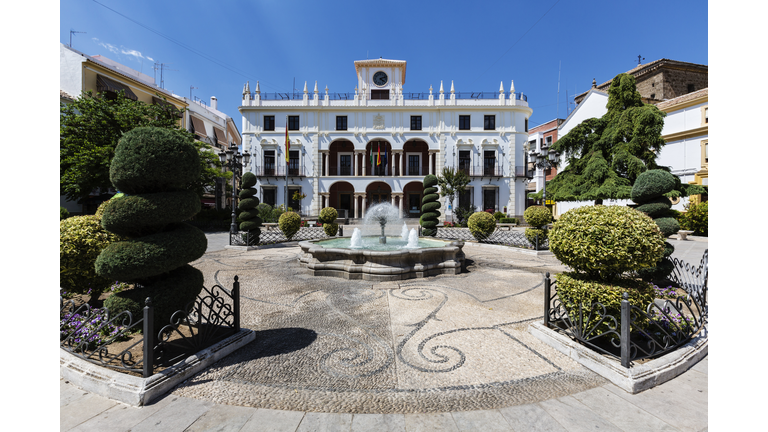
352, 150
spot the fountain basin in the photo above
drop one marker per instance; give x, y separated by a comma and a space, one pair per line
437, 257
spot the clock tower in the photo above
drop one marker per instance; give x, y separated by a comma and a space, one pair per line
380, 78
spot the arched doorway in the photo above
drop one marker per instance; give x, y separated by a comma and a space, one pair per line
341, 158
377, 192
413, 192
415, 160
342, 197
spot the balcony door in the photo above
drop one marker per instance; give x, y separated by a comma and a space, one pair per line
269, 162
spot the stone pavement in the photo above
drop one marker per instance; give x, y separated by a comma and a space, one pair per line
440, 353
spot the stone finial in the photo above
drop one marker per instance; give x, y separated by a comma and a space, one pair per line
512, 87
326, 89
441, 86
247, 88
315, 86
501, 87
452, 86
430, 89
258, 89
355, 90
305, 87
594, 83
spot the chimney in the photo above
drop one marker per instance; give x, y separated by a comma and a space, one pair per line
214, 103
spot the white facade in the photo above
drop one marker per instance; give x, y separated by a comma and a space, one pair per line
336, 134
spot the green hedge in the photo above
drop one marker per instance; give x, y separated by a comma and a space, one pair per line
696, 219
605, 241
136, 215
81, 240
537, 216
481, 225
143, 257
508, 220
151, 159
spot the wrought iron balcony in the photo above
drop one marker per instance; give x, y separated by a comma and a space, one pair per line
279, 171
486, 171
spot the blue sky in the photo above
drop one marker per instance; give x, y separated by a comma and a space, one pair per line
218, 46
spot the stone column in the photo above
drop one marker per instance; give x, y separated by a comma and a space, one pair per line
325, 154
398, 195
365, 165
402, 163
429, 155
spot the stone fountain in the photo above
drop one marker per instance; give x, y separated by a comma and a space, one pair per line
380, 257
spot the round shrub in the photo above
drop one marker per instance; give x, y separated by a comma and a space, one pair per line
696, 219
498, 215
481, 225
134, 215
536, 235
652, 184
429, 207
576, 289
328, 215
151, 159
656, 208
667, 225
248, 180
81, 240
331, 229
537, 216
289, 224
605, 241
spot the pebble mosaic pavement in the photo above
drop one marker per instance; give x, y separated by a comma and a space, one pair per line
437, 344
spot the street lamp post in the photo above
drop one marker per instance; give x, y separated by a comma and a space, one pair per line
544, 161
235, 162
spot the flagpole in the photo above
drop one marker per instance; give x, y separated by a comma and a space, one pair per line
287, 147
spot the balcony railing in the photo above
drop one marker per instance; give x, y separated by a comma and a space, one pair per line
486, 171
279, 171
522, 171
406, 96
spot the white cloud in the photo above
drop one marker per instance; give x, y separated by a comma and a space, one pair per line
108, 46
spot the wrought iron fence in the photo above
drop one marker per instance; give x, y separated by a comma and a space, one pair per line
274, 235
498, 236
91, 333
637, 331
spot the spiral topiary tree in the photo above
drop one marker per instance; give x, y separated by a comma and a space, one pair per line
429, 207
154, 168
538, 217
328, 217
649, 192
249, 215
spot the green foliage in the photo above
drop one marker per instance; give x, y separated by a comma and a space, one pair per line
537, 216
463, 214
136, 215
605, 241
653, 184
429, 207
576, 289
81, 240
605, 155
667, 226
656, 207
141, 163
328, 215
248, 180
536, 235
249, 202
508, 220
289, 223
89, 130
696, 219
452, 182
330, 228
498, 215
481, 225
63, 213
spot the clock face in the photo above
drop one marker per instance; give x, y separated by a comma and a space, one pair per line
380, 78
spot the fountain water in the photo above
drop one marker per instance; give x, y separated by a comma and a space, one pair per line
369, 254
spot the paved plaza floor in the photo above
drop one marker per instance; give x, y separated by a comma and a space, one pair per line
438, 353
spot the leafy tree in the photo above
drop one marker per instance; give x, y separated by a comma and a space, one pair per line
605, 155
452, 182
89, 129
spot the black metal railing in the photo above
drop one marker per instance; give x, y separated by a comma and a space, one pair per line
486, 170
210, 318
498, 237
638, 331
279, 171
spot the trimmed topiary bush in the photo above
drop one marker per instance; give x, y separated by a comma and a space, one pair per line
328, 215
481, 225
536, 236
331, 229
289, 224
696, 219
249, 215
507, 220
154, 168
429, 207
667, 225
537, 216
605, 241
652, 184
81, 240
498, 215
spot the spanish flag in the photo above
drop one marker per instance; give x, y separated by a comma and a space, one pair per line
378, 155
287, 140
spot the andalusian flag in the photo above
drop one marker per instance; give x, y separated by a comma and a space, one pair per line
378, 155
371, 154
287, 140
